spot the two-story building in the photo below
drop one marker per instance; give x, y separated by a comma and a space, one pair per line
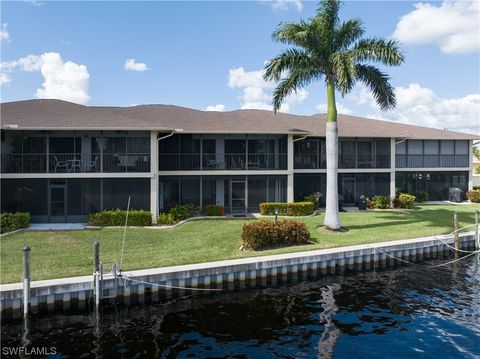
61, 161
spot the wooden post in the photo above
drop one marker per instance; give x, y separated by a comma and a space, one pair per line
477, 236
96, 272
96, 256
26, 280
455, 228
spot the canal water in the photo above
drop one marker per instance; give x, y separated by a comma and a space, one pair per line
412, 311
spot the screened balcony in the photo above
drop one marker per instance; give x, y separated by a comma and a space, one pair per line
310, 153
74, 152
432, 154
222, 152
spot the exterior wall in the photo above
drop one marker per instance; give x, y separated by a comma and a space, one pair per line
72, 199
155, 175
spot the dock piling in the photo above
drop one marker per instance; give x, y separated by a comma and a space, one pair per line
455, 235
26, 281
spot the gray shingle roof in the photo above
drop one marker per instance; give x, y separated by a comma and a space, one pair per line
62, 115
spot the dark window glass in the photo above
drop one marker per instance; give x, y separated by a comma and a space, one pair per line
364, 154
171, 192
116, 192
25, 195
347, 154
12, 141
34, 145
208, 146
209, 192
190, 190
115, 145
83, 196
307, 184
138, 145
436, 184
257, 192
235, 146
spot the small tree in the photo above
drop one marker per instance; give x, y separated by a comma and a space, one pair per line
326, 49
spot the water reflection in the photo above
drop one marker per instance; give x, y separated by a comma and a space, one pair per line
397, 313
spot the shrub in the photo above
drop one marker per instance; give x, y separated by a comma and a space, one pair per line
10, 221
476, 187
313, 198
215, 210
422, 197
381, 202
474, 195
287, 209
193, 210
117, 218
165, 218
179, 212
263, 234
406, 200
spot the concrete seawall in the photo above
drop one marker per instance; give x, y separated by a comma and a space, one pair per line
77, 292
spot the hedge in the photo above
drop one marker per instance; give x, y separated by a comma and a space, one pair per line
10, 221
404, 200
165, 218
287, 209
264, 234
380, 202
215, 210
474, 195
117, 218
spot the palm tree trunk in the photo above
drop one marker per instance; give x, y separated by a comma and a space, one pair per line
332, 219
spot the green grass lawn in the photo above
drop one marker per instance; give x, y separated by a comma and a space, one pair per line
69, 253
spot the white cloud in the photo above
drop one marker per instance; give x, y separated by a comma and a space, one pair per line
62, 80
132, 65
34, 2
341, 109
256, 93
219, 108
28, 63
285, 5
4, 78
4, 35
454, 26
417, 105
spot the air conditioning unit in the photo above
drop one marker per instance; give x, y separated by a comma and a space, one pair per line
455, 194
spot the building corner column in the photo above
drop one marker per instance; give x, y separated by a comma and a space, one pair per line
392, 168
470, 165
154, 175
290, 155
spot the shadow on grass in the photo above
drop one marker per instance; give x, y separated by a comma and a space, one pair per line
430, 218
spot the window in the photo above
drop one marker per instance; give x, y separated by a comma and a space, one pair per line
401, 148
431, 147
461, 147
447, 147
415, 147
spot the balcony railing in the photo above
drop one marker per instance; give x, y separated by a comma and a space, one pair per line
221, 161
74, 163
315, 162
431, 161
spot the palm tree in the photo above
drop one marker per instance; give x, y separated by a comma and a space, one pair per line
325, 48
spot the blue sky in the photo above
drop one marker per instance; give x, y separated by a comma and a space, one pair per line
200, 54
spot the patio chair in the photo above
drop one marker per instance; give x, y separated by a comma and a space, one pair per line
60, 164
91, 166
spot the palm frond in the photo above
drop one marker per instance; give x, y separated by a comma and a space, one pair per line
380, 50
345, 71
348, 32
292, 33
295, 80
378, 83
288, 60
